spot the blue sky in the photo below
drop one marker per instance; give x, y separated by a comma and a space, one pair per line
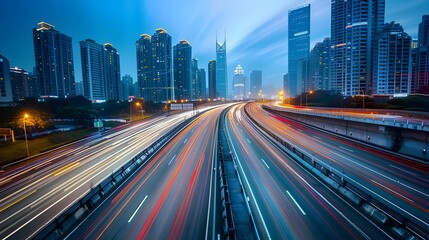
256, 31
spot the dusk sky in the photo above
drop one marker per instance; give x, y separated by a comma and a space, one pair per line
256, 31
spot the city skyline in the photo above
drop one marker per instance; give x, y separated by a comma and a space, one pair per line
259, 43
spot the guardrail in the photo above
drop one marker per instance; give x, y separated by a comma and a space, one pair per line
391, 120
73, 216
346, 186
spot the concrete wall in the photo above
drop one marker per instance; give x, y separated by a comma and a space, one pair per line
402, 140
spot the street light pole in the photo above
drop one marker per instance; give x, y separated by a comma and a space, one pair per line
25, 134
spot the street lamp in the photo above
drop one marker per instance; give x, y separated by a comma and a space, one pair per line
306, 97
363, 99
141, 108
25, 134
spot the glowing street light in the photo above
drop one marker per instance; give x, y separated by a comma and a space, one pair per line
25, 134
306, 97
141, 108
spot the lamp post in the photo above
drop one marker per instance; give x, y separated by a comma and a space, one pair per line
131, 110
306, 97
363, 99
141, 108
25, 134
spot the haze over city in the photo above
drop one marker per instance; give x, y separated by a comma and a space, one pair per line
256, 31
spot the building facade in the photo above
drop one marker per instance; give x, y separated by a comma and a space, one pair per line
195, 84
391, 68
93, 79
239, 82
255, 88
201, 79
126, 87
144, 66
5, 83
319, 65
221, 70
353, 26
23, 84
112, 71
299, 47
182, 67
212, 80
53, 53
420, 60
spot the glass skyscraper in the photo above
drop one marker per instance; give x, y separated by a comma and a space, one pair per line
112, 71
221, 71
93, 79
212, 79
54, 61
255, 83
238, 83
5, 84
354, 24
319, 65
299, 48
161, 85
182, 57
144, 66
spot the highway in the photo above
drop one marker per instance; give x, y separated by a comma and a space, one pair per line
400, 183
171, 198
286, 200
32, 195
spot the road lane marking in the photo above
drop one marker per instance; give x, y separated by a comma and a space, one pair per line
172, 159
293, 199
265, 163
403, 170
381, 185
131, 218
20, 199
185, 141
247, 140
346, 149
405, 185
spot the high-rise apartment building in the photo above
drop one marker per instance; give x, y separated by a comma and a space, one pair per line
319, 65
161, 87
354, 24
221, 70
93, 75
420, 60
53, 53
255, 84
299, 48
22, 84
391, 69
182, 67
239, 82
201, 79
5, 84
212, 80
144, 66
195, 84
112, 71
423, 37
126, 87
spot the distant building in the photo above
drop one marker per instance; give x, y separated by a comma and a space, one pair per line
5, 83
161, 86
144, 66
299, 47
201, 79
195, 84
112, 71
354, 24
319, 65
182, 57
420, 60
255, 84
79, 89
212, 80
53, 53
221, 70
21, 85
285, 84
239, 81
391, 70
93, 74
126, 88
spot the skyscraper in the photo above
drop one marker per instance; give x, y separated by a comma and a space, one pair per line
161, 87
112, 71
238, 83
195, 84
299, 47
319, 65
5, 84
392, 52
93, 75
212, 79
354, 24
201, 79
54, 61
420, 60
144, 66
423, 37
21, 84
182, 57
255, 83
221, 70
126, 88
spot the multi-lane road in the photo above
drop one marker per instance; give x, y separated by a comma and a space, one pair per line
34, 194
400, 183
173, 197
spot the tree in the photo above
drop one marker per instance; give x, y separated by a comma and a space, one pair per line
34, 120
